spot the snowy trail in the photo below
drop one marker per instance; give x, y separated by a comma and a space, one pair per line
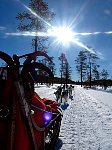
46, 92
86, 124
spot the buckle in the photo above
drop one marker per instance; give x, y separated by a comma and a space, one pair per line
4, 112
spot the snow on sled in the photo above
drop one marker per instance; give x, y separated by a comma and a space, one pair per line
27, 122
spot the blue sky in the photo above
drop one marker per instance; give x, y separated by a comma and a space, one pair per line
85, 16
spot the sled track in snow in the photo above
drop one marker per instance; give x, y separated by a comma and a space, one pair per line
86, 124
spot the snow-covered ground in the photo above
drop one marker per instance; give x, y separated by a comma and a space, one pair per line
87, 121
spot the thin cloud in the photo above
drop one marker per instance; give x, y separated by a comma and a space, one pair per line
75, 41
2, 28
87, 33
27, 33
91, 33
109, 32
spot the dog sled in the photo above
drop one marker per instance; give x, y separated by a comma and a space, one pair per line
27, 122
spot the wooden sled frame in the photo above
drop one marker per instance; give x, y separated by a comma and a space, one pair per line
53, 127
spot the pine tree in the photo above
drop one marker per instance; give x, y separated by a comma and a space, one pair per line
95, 73
91, 64
62, 58
29, 22
81, 65
67, 71
65, 68
105, 76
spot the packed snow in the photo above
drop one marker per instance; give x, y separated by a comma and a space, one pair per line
87, 119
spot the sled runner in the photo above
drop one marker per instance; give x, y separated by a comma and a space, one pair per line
27, 122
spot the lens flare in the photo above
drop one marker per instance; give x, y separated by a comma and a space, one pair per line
47, 117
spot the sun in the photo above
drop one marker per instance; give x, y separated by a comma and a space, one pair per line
64, 35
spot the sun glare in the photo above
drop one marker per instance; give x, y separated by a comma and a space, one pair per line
63, 35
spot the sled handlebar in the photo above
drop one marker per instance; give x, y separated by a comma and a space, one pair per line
7, 59
32, 56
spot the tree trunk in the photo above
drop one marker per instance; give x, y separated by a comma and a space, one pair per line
81, 74
90, 74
